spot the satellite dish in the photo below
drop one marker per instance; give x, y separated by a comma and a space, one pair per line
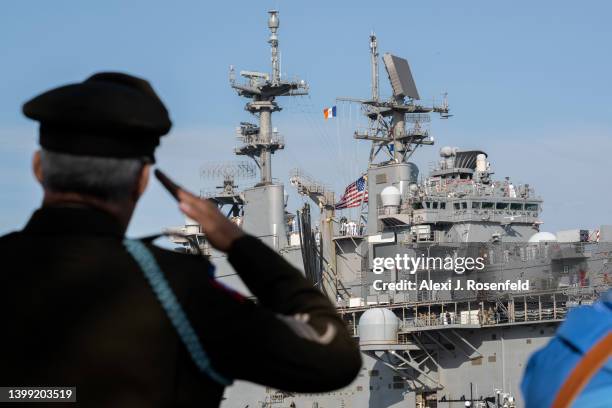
400, 76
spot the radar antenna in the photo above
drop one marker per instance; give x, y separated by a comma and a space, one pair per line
228, 172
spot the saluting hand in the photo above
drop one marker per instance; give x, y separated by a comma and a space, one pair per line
220, 231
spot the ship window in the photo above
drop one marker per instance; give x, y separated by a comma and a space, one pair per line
456, 206
475, 204
531, 207
443, 206
427, 204
487, 205
464, 205
435, 205
398, 386
373, 373
501, 206
417, 206
516, 206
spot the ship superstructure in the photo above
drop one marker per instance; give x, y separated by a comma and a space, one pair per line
437, 346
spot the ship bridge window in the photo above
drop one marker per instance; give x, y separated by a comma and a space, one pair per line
417, 206
531, 207
501, 206
475, 205
443, 206
434, 205
487, 205
456, 206
427, 204
464, 205
516, 206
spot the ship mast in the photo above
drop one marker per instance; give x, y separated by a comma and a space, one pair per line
387, 118
374, 63
260, 141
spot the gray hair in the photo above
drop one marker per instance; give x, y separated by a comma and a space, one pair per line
104, 178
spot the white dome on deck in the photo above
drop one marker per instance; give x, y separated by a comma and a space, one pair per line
378, 326
390, 196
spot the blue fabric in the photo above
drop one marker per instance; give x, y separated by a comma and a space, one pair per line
549, 367
145, 259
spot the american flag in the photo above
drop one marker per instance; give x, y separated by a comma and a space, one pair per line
354, 195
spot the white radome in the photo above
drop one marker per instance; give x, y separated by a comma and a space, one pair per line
390, 196
378, 326
446, 151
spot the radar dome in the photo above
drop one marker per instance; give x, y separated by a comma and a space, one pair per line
542, 237
481, 162
390, 196
378, 326
446, 151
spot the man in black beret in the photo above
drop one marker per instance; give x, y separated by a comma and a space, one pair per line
130, 324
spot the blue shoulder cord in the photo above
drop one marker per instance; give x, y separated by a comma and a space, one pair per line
147, 263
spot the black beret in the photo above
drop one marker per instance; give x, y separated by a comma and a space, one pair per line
109, 115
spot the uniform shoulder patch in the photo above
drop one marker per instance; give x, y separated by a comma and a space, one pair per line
298, 323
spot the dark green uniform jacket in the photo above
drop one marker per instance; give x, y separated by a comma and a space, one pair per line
76, 310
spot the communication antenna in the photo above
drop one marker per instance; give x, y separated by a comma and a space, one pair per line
374, 63
443, 109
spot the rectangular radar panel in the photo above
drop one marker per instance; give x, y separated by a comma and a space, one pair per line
400, 76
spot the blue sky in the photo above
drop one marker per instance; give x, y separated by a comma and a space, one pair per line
528, 82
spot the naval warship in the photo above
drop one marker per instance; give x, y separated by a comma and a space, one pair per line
432, 346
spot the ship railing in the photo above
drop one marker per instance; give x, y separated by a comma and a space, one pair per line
436, 320
507, 217
485, 318
257, 139
510, 308
366, 132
